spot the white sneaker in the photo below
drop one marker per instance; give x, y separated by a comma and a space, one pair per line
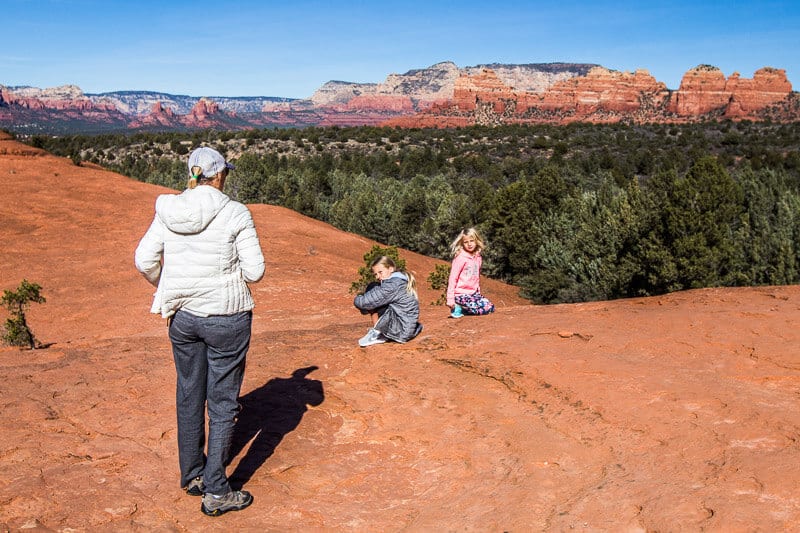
373, 336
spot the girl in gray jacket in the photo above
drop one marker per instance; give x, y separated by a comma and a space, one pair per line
392, 302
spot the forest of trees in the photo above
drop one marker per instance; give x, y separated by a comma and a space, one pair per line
570, 213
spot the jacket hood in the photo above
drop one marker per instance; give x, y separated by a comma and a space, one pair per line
399, 275
192, 210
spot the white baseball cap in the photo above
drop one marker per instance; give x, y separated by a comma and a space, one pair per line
209, 160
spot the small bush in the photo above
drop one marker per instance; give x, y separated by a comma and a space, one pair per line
16, 331
438, 281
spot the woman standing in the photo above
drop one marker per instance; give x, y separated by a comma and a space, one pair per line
200, 252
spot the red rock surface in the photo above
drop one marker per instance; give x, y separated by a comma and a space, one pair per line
672, 413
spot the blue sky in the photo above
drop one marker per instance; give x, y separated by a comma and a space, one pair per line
289, 48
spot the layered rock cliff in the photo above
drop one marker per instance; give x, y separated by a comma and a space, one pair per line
603, 95
442, 95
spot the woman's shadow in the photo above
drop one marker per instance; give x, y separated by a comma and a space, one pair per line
268, 414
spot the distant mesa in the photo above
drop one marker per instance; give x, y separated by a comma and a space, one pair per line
442, 95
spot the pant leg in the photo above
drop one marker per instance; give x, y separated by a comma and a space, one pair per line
228, 339
474, 304
189, 353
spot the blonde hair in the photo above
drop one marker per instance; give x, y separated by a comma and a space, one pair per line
385, 261
458, 244
197, 177
197, 173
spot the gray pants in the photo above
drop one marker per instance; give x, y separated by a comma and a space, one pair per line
209, 355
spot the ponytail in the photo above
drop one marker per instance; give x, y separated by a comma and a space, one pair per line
197, 173
411, 286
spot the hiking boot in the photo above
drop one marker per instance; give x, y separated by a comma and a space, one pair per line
196, 487
373, 336
457, 313
235, 500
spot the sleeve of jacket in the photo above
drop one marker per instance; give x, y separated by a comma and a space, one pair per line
455, 272
251, 259
147, 257
376, 297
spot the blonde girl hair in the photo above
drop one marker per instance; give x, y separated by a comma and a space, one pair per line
387, 262
458, 244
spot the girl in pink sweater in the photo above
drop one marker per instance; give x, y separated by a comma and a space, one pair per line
464, 286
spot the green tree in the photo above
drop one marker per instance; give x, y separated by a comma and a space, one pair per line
701, 218
16, 330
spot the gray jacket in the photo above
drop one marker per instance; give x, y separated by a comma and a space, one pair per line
398, 310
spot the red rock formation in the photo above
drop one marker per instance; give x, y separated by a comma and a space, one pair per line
439, 97
203, 108
702, 90
601, 90
609, 96
158, 116
768, 86
483, 87
381, 102
206, 114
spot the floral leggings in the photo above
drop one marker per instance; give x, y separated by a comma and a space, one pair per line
474, 304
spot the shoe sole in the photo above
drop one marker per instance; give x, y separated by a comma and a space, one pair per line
218, 512
371, 343
194, 491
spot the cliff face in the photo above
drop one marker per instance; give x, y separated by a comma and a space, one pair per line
603, 96
442, 95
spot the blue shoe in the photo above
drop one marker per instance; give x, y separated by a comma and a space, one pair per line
456, 312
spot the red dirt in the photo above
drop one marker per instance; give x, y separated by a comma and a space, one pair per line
669, 413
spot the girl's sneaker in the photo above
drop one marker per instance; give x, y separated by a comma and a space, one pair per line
457, 313
373, 336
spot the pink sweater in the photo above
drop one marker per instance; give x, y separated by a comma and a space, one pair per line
465, 274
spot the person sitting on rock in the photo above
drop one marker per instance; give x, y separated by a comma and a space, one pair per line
392, 303
464, 284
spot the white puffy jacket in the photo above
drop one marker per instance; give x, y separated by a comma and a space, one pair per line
200, 251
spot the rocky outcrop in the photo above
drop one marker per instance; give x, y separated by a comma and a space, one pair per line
159, 116
442, 95
704, 90
605, 96
340, 92
534, 78
439, 83
57, 110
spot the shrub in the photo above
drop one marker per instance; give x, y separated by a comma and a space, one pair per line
16, 331
438, 281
